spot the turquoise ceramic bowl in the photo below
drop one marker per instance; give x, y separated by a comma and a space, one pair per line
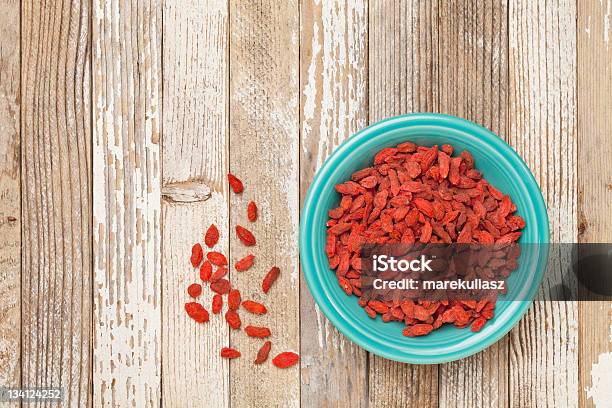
499, 164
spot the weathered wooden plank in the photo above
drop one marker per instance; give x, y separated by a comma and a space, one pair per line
333, 55
264, 152
542, 128
474, 84
56, 198
126, 217
594, 77
10, 197
403, 77
195, 155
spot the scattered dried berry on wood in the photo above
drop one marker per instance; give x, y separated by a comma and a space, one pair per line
270, 278
212, 236
252, 211
254, 307
259, 332
228, 352
219, 273
233, 299
233, 319
264, 351
245, 236
235, 183
205, 271
216, 258
194, 290
222, 286
217, 303
245, 263
197, 312
285, 359
196, 255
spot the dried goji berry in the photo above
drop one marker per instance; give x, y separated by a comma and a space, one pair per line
233, 299
245, 263
216, 258
419, 193
285, 359
212, 236
222, 286
245, 236
219, 273
197, 312
417, 330
252, 211
196, 255
217, 303
264, 351
228, 352
205, 271
233, 319
477, 324
235, 183
270, 278
254, 307
259, 332
194, 290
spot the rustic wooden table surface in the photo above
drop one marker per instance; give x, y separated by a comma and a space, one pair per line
109, 107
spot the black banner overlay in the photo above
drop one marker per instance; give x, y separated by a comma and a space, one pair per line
474, 272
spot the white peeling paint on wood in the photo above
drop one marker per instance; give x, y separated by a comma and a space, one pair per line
10, 196
195, 161
543, 127
334, 107
127, 199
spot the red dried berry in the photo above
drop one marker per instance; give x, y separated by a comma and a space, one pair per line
217, 303
196, 255
417, 330
417, 193
228, 352
254, 307
245, 263
245, 236
252, 211
286, 359
219, 273
233, 319
264, 351
222, 286
235, 183
477, 324
205, 271
217, 258
270, 278
194, 290
233, 299
197, 312
259, 332
212, 236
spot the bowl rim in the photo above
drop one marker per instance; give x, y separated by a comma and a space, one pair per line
307, 259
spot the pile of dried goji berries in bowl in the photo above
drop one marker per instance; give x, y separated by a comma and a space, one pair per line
355, 200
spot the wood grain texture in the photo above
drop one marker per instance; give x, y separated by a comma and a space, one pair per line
542, 128
474, 85
127, 213
333, 55
403, 77
195, 157
10, 196
594, 76
264, 152
56, 198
